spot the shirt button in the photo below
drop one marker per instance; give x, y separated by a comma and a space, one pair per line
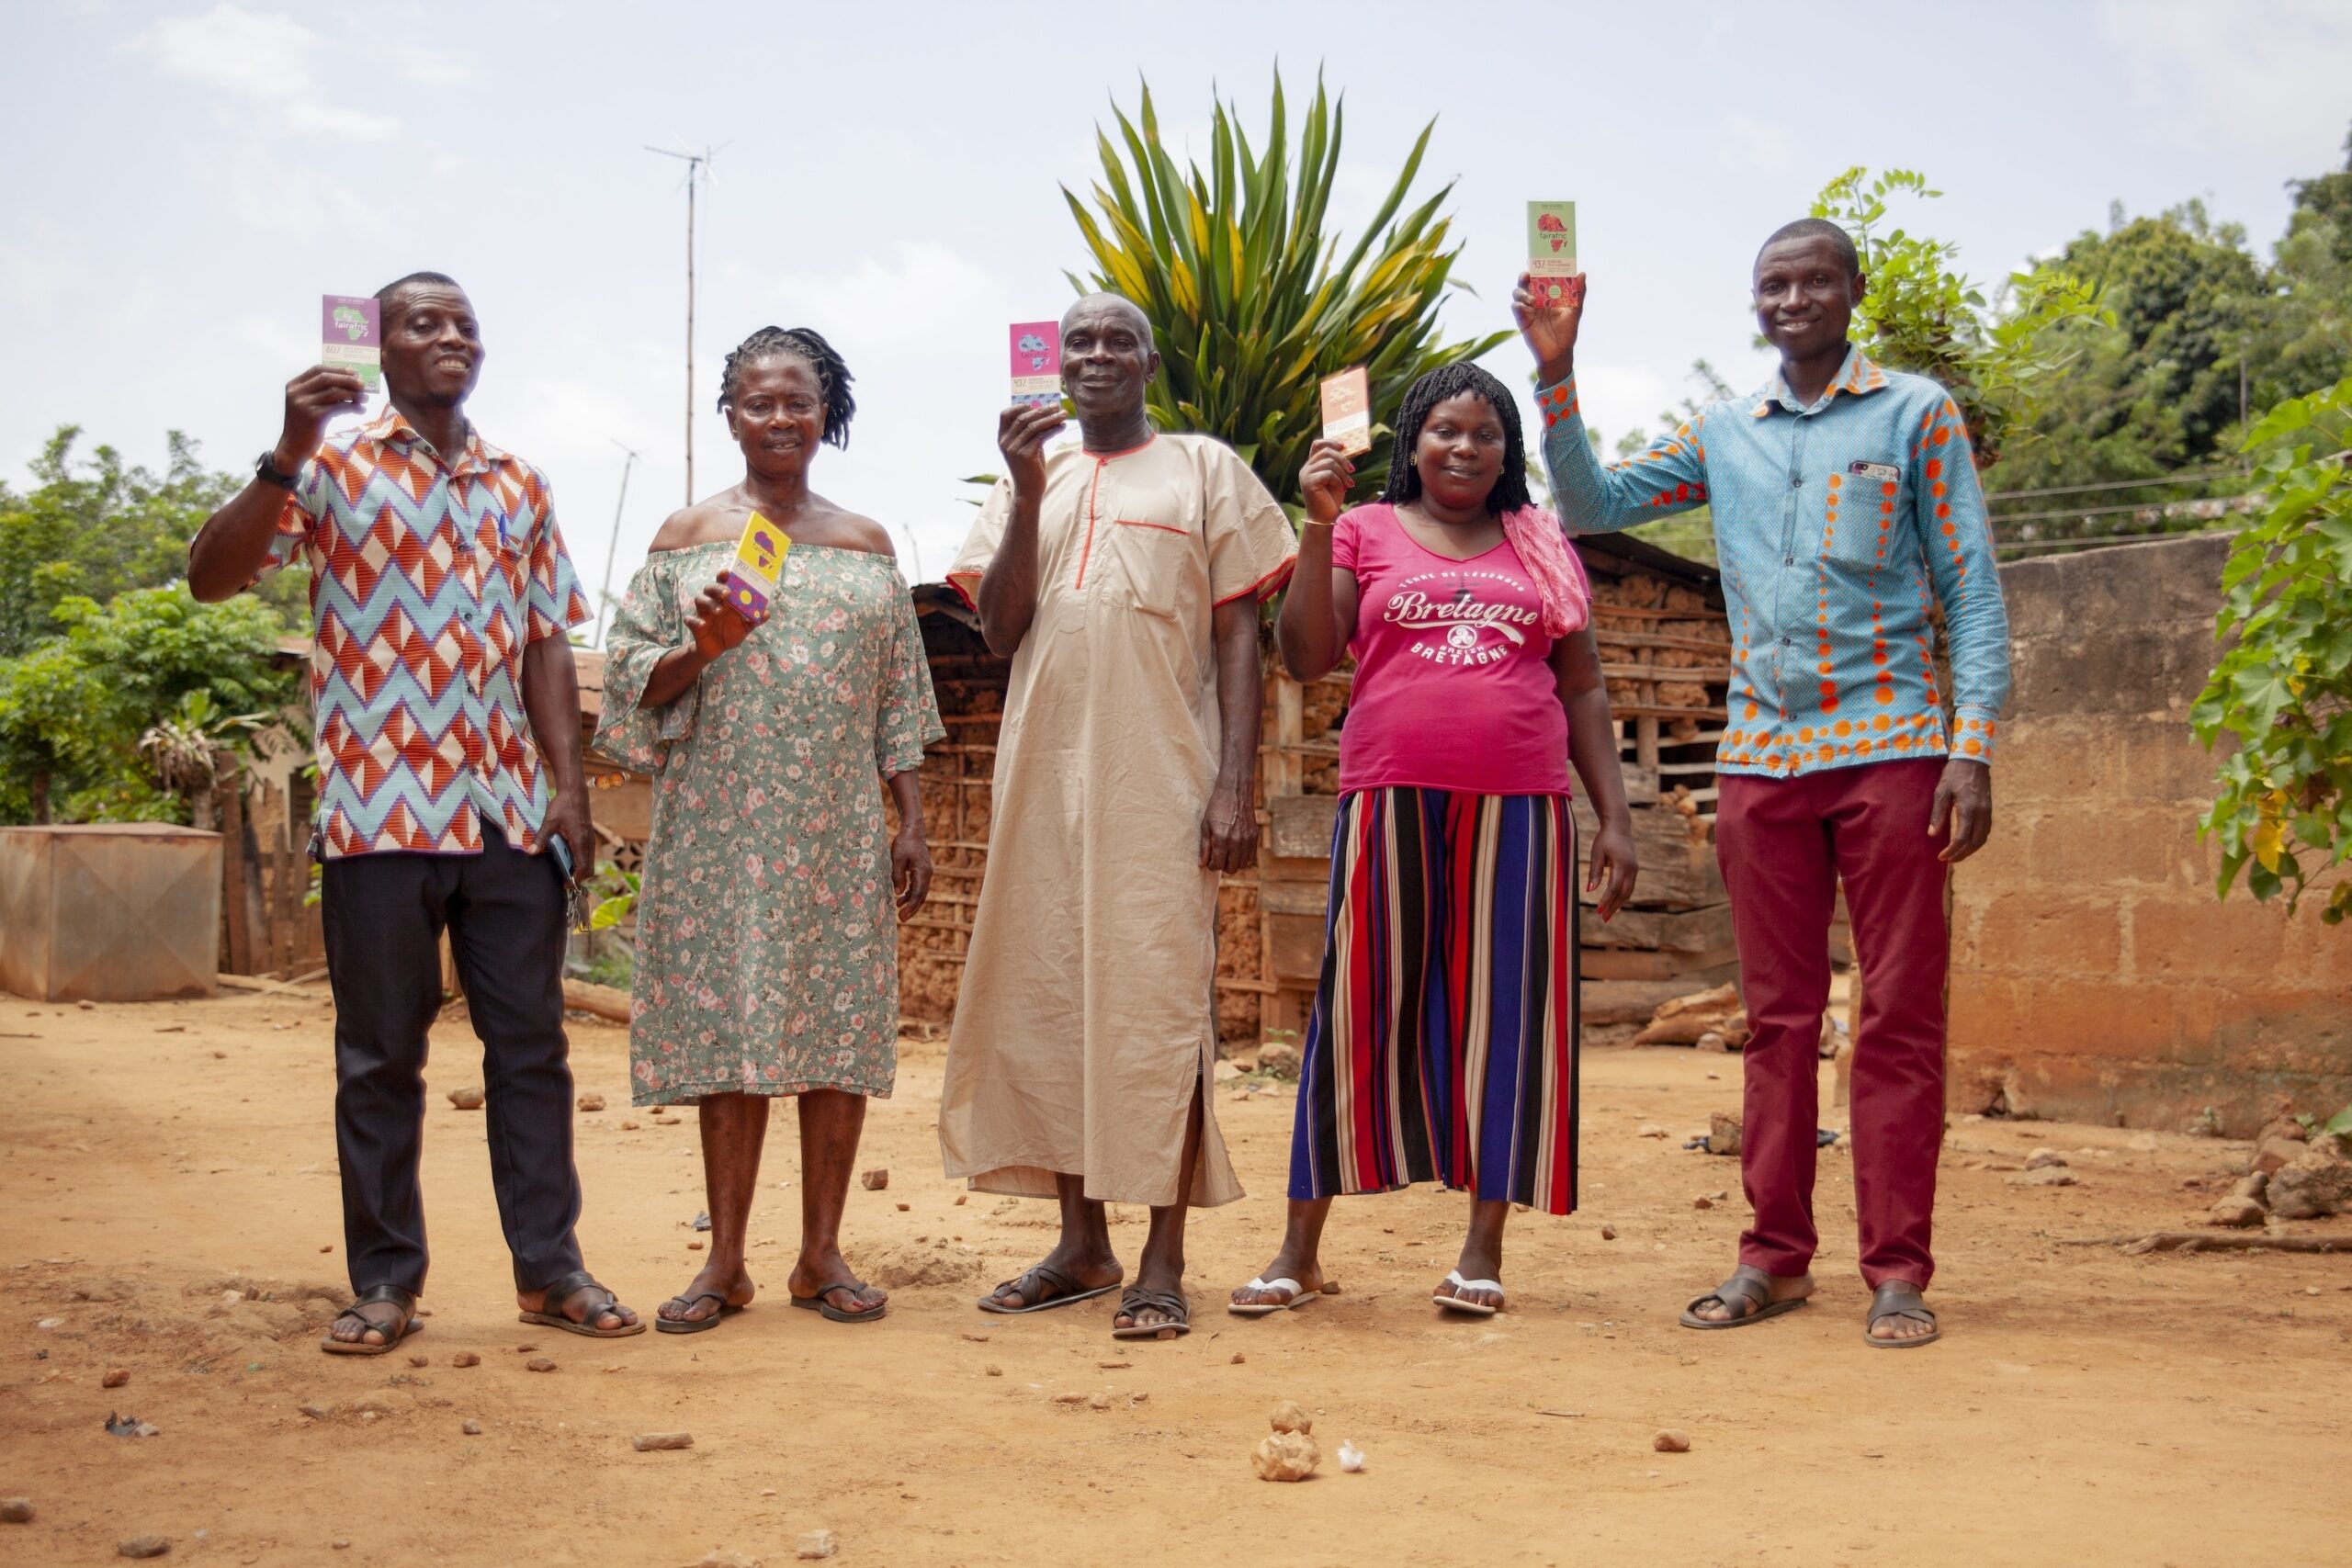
1784, 642
1796, 481
1788, 560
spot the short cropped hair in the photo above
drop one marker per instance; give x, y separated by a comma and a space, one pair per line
1818, 229
384, 294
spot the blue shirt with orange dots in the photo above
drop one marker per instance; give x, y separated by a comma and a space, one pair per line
1838, 527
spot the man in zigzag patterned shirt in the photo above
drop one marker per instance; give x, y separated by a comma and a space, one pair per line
446, 701
1846, 507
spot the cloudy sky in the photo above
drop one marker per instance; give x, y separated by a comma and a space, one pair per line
185, 179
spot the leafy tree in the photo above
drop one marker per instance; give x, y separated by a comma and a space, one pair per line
1923, 315
2282, 689
1251, 299
74, 707
95, 526
2204, 338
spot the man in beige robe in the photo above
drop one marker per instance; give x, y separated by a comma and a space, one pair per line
1122, 576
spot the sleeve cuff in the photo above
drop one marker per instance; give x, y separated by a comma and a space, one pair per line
1559, 403
1972, 732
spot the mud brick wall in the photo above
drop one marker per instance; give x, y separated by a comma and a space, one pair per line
2094, 976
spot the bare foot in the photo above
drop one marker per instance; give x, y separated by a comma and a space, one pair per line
729, 1283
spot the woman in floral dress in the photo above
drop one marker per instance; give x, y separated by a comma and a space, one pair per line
766, 957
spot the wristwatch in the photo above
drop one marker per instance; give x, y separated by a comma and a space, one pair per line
266, 471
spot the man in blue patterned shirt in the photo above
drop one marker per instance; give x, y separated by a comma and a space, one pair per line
1846, 509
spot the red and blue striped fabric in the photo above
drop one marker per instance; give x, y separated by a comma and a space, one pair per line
1443, 1042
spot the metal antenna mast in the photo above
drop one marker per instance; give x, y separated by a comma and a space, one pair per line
697, 169
604, 598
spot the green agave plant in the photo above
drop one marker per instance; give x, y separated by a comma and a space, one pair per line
1250, 300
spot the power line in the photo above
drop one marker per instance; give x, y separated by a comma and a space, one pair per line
2087, 540
2180, 477
2165, 507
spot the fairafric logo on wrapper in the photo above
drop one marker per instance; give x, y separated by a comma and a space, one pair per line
1347, 411
752, 577
1551, 248
351, 330
1036, 362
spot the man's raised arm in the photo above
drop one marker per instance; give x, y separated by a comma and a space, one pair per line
233, 547
1667, 478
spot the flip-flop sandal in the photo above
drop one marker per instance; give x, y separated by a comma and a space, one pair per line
394, 1332
694, 1325
1900, 1298
818, 1303
1298, 1298
1745, 1284
1043, 1274
562, 1291
1135, 1297
1454, 1302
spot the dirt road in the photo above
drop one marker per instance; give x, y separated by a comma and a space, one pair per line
167, 1174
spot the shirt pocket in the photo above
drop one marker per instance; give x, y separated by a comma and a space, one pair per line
1860, 521
1157, 560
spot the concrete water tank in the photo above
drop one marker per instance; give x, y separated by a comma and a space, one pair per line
109, 912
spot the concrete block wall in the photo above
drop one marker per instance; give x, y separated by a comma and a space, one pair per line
2094, 976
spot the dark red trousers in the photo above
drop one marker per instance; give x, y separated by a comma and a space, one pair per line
1784, 845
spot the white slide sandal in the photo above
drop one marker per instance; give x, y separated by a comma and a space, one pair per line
1298, 1298
1455, 1304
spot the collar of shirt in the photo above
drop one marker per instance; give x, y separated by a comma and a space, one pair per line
392, 429
1859, 375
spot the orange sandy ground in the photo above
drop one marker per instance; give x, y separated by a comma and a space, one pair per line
2084, 1408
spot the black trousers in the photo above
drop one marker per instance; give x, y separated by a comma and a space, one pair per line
505, 913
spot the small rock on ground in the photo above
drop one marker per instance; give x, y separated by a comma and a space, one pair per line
874, 1181
649, 1442
1671, 1443
590, 1103
816, 1544
142, 1546
540, 1364
715, 1558
465, 1358
116, 1377
17, 1511
2043, 1159
470, 1426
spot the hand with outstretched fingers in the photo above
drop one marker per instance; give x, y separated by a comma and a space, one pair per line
1962, 812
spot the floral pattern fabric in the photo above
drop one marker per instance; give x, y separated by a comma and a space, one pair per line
768, 957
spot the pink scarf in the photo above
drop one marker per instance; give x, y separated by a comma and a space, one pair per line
1560, 581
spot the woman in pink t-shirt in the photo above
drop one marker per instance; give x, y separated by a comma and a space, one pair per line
1443, 1042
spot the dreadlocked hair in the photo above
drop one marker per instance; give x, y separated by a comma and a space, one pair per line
833, 379
1451, 381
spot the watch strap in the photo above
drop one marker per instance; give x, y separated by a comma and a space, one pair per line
268, 472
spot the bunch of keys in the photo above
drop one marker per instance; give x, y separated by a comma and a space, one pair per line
576, 906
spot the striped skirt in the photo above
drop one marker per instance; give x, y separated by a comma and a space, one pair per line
1443, 1042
